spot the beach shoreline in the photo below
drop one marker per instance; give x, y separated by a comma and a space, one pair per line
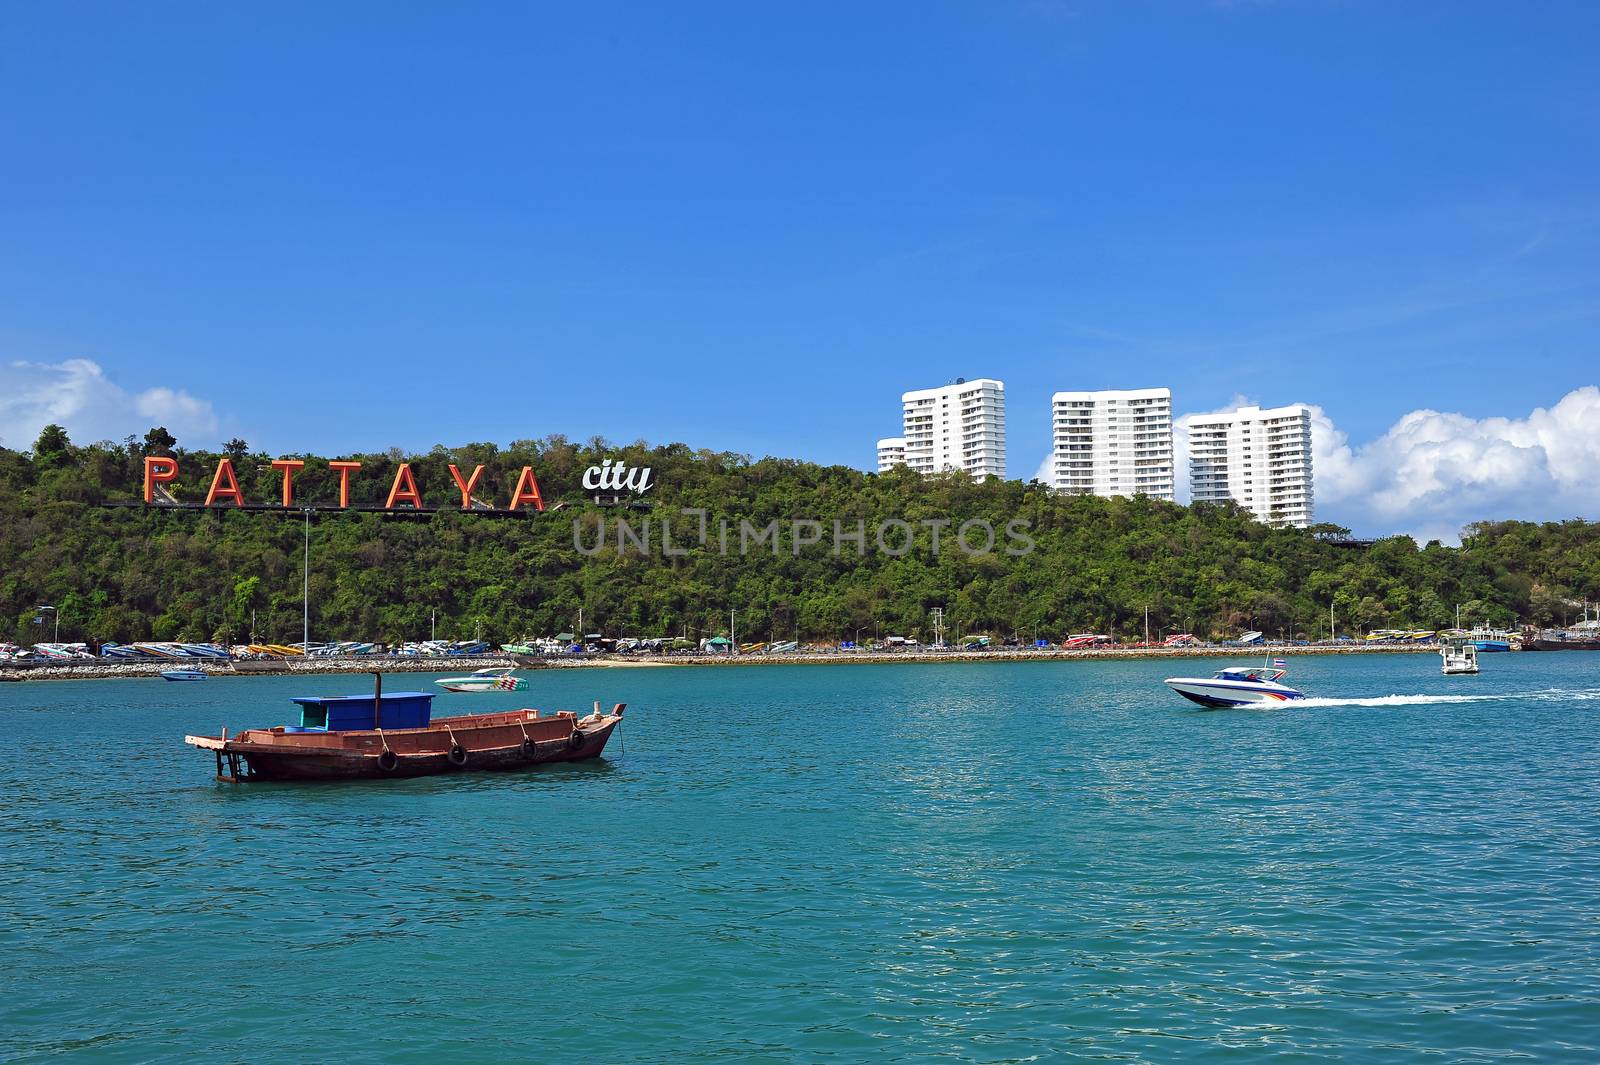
122, 669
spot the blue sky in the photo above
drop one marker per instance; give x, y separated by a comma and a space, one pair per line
346, 227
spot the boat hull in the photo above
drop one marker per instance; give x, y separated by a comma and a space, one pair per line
1221, 695
512, 740
1561, 645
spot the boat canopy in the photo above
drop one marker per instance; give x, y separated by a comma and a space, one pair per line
346, 713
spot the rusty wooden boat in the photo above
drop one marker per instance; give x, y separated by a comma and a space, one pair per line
352, 737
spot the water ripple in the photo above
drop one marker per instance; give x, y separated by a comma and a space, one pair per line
1008, 862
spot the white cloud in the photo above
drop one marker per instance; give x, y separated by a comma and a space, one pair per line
78, 395
1433, 472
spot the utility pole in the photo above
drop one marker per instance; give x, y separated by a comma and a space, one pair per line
1147, 625
433, 624
732, 636
305, 586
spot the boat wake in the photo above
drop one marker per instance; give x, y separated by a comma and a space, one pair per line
1397, 700
1548, 695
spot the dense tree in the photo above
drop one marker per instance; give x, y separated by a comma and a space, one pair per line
159, 442
52, 449
124, 573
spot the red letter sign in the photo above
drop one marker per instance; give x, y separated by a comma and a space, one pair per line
344, 469
402, 476
289, 467
158, 469
527, 490
219, 490
466, 486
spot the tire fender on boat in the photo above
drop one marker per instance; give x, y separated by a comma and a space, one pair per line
388, 761
529, 749
575, 740
457, 755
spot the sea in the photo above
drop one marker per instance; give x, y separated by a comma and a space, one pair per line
956, 862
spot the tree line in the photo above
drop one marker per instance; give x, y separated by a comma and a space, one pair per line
1095, 565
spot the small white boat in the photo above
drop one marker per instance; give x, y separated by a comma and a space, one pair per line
493, 679
183, 674
1458, 656
1236, 686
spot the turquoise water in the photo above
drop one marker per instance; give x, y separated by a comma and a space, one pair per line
989, 862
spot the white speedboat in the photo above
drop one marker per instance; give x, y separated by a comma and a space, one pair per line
183, 674
493, 679
1237, 686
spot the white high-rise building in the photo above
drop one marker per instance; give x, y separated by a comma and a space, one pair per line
957, 427
1113, 443
891, 453
1260, 459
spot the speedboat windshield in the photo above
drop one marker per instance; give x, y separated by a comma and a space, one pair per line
1256, 674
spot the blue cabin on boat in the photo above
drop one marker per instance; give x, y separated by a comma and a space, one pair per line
352, 713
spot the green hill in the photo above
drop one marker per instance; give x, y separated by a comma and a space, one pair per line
1096, 564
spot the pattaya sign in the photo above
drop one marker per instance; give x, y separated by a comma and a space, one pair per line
160, 469
612, 476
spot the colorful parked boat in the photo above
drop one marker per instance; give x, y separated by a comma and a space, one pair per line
1491, 639
182, 674
373, 736
493, 679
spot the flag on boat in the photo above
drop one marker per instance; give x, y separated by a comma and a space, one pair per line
1278, 663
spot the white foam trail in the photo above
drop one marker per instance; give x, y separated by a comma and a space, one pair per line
1398, 700
1548, 695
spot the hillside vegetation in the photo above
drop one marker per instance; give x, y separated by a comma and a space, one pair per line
136, 573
